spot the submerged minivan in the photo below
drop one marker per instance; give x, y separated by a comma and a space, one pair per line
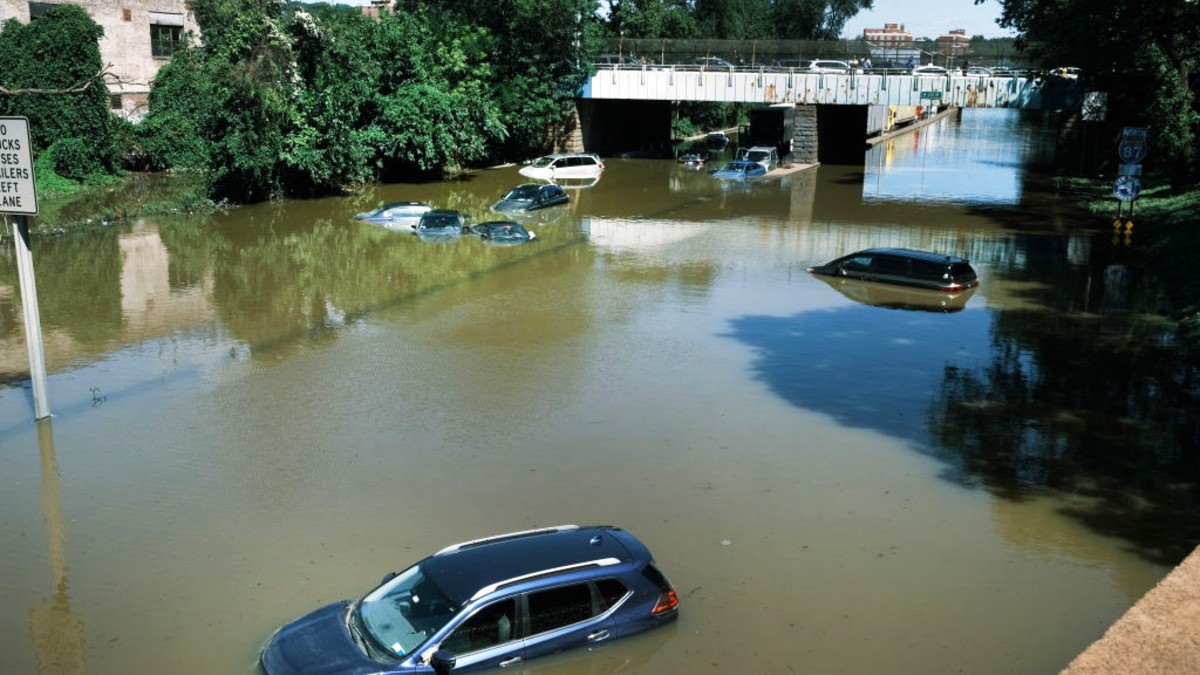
905, 267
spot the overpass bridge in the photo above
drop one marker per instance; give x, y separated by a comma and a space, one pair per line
831, 117
743, 85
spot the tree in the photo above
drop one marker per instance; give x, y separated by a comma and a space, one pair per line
815, 19
1125, 45
536, 51
59, 53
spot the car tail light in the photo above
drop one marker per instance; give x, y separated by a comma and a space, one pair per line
666, 602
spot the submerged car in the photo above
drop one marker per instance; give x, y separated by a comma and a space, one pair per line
397, 215
906, 267
716, 140
763, 154
530, 197
502, 232
740, 169
487, 603
566, 165
440, 223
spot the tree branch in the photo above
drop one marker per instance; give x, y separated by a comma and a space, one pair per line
104, 74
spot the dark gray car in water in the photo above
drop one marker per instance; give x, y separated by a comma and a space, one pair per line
905, 267
531, 197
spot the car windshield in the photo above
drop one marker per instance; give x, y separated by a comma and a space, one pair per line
525, 193
757, 155
542, 162
438, 221
405, 611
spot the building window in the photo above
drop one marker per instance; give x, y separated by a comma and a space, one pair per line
37, 9
166, 33
164, 40
126, 14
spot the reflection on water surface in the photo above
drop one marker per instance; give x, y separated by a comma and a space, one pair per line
292, 402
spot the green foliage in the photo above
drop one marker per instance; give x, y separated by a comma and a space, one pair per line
1143, 52
170, 135
60, 51
47, 182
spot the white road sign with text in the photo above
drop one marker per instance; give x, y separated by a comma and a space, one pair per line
17, 193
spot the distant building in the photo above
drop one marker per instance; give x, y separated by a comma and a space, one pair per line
953, 44
139, 37
891, 36
891, 45
377, 7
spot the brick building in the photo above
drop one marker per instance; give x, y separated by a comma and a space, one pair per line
139, 37
953, 44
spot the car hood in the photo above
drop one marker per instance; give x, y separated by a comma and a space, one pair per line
317, 644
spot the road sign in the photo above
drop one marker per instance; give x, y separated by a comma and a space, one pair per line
937, 95
1133, 134
1129, 169
17, 193
1127, 188
1131, 152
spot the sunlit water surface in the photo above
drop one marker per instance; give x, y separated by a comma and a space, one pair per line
266, 410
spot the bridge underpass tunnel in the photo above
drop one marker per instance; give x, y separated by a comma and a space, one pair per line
841, 134
614, 127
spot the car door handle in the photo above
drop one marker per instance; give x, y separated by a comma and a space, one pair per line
509, 662
598, 636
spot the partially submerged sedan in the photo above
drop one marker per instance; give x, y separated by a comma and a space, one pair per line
740, 169
397, 215
906, 267
440, 224
502, 233
531, 197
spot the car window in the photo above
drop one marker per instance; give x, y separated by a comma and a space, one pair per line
656, 577
493, 625
890, 265
404, 611
861, 262
522, 193
927, 269
612, 590
558, 607
962, 272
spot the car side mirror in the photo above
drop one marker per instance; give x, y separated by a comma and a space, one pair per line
442, 661
388, 577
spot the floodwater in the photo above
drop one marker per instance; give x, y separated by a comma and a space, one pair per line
259, 412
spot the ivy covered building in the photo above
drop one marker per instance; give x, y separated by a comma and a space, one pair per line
139, 37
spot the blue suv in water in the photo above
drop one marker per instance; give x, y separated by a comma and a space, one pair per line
483, 604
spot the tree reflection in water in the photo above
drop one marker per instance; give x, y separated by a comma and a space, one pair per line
1080, 390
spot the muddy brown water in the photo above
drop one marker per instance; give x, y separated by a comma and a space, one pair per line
259, 412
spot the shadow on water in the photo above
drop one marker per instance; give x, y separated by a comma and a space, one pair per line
1076, 388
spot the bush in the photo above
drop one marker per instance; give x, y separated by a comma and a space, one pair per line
74, 158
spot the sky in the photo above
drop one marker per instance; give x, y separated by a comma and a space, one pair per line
930, 18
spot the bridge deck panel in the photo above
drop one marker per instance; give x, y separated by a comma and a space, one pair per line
667, 84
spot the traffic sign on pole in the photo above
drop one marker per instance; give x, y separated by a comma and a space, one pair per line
1127, 188
17, 193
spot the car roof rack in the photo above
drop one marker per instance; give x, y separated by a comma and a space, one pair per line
493, 587
505, 537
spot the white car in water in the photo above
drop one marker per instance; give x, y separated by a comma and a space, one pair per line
566, 165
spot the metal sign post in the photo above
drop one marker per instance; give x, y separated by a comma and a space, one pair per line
18, 196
